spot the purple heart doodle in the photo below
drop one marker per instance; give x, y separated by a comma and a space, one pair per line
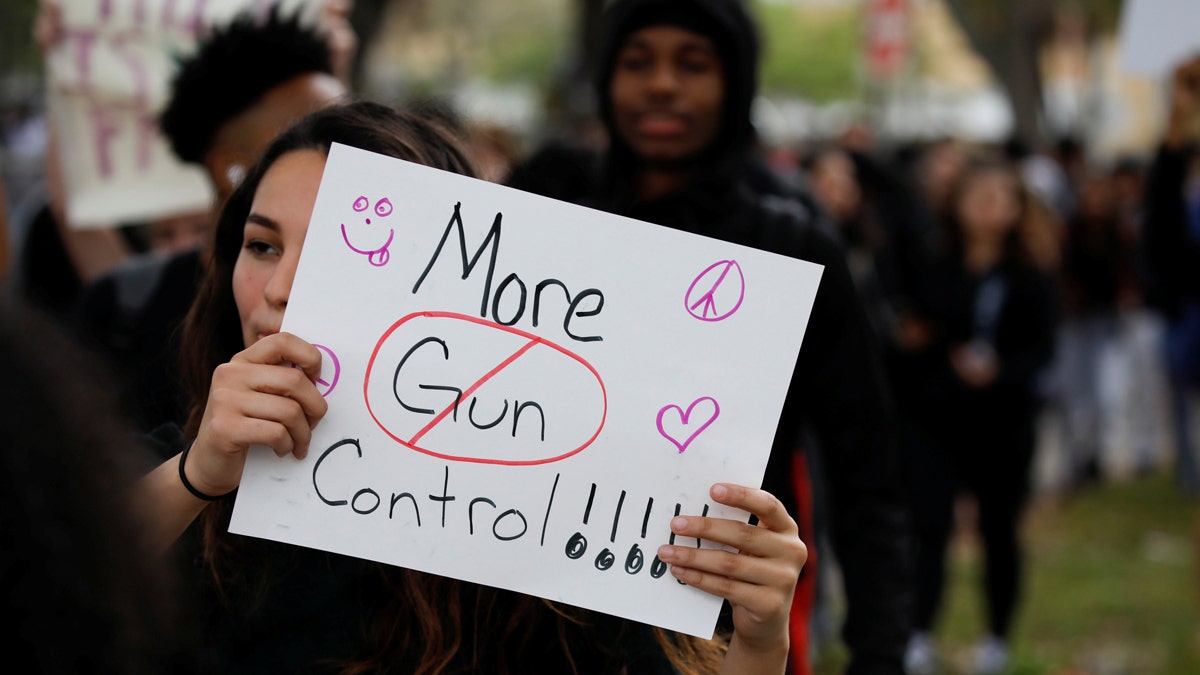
684, 418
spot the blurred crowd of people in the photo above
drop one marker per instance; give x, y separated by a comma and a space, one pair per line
987, 310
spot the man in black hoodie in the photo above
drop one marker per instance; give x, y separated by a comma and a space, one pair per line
676, 82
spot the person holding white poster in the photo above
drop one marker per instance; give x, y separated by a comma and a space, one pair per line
282, 608
1171, 243
675, 87
248, 79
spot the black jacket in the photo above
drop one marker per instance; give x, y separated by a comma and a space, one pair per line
838, 394
132, 316
1171, 253
1022, 334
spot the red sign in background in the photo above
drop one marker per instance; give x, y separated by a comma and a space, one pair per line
887, 37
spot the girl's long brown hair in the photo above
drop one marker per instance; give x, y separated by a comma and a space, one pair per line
426, 616
1033, 239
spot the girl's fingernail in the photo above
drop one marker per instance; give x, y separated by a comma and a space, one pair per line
720, 491
666, 552
679, 524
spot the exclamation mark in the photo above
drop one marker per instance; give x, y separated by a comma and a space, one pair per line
657, 566
605, 558
636, 559
617, 518
549, 505
577, 544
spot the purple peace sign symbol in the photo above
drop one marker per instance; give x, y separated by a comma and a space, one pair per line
716, 293
326, 386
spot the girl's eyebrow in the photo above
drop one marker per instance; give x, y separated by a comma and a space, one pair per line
259, 219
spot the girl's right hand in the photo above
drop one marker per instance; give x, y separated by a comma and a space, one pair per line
265, 395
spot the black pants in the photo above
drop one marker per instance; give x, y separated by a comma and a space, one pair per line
989, 460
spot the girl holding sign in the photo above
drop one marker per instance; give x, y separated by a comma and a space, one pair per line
992, 305
281, 608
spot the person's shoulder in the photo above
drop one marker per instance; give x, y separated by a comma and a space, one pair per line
152, 265
796, 209
142, 277
190, 261
795, 226
182, 273
557, 169
132, 282
1028, 285
1032, 278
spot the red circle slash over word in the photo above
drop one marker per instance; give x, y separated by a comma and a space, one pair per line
466, 389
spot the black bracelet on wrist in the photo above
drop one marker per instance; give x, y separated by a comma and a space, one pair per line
183, 477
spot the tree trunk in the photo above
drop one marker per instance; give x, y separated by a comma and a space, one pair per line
1009, 37
579, 92
366, 17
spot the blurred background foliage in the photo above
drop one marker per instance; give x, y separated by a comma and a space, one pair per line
811, 53
814, 56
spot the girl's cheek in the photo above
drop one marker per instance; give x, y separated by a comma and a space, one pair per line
243, 286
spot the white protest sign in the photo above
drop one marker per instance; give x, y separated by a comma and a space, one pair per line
109, 78
523, 392
1157, 35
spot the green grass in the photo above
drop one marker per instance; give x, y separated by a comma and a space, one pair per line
1110, 587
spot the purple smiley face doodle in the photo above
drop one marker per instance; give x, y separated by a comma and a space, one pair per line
380, 255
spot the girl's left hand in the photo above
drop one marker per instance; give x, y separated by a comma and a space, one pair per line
976, 364
759, 579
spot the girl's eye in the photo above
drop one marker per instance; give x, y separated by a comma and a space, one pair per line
361, 204
383, 207
258, 247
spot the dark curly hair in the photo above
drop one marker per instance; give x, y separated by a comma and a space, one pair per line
232, 68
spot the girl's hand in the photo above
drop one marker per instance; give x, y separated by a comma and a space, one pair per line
976, 364
759, 579
48, 25
1185, 101
264, 396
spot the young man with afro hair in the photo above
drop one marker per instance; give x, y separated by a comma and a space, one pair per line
247, 81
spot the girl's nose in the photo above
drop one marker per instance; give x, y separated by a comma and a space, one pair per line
279, 287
